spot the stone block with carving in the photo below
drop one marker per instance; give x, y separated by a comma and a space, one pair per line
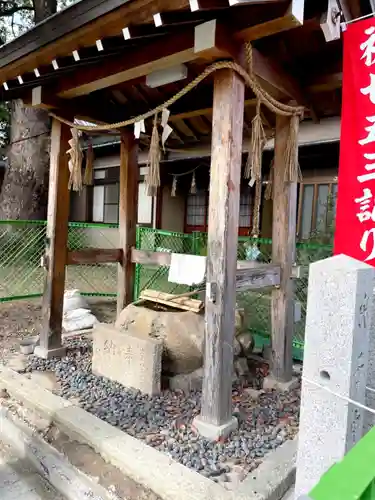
127, 358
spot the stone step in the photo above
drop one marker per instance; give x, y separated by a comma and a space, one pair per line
19, 481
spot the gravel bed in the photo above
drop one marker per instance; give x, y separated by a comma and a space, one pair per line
164, 421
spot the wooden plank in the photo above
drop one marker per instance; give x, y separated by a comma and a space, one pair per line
283, 254
257, 278
128, 215
226, 146
292, 19
184, 303
57, 239
94, 256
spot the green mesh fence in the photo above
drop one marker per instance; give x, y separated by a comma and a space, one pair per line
256, 304
92, 279
156, 277
22, 246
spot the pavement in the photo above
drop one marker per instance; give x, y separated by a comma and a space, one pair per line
18, 481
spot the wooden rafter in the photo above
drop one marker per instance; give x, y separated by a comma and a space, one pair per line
292, 18
137, 12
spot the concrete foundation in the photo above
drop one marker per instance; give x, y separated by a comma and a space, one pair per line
214, 432
41, 352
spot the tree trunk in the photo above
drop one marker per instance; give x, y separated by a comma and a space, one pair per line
25, 188
24, 193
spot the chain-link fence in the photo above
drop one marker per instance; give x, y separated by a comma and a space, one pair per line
256, 304
22, 245
21, 248
92, 279
157, 240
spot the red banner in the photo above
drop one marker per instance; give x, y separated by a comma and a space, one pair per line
355, 218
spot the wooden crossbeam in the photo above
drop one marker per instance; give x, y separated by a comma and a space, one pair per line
138, 62
207, 40
94, 256
82, 107
250, 275
255, 278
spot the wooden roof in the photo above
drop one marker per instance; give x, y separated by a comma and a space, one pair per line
292, 60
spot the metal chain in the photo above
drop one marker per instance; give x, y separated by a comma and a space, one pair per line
250, 80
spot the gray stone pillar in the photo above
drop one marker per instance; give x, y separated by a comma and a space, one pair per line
339, 316
369, 418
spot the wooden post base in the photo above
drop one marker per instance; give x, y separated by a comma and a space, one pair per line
214, 432
58, 352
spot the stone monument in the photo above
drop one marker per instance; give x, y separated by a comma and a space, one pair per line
127, 358
339, 316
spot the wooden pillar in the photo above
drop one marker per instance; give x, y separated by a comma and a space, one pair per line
216, 417
128, 216
56, 243
283, 253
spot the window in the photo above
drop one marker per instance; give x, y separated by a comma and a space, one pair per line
197, 211
245, 208
105, 206
145, 205
106, 203
315, 200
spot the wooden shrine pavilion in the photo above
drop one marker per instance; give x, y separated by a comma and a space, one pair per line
108, 62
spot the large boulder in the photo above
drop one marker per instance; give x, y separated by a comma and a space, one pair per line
182, 334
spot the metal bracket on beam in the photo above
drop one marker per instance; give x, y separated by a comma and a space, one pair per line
211, 292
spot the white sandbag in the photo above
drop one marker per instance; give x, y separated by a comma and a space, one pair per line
79, 319
73, 300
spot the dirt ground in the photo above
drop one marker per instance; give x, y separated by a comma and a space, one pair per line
23, 318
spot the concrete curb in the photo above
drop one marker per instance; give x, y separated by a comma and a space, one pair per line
275, 475
48, 463
145, 465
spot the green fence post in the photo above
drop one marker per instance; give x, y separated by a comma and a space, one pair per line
137, 268
353, 477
